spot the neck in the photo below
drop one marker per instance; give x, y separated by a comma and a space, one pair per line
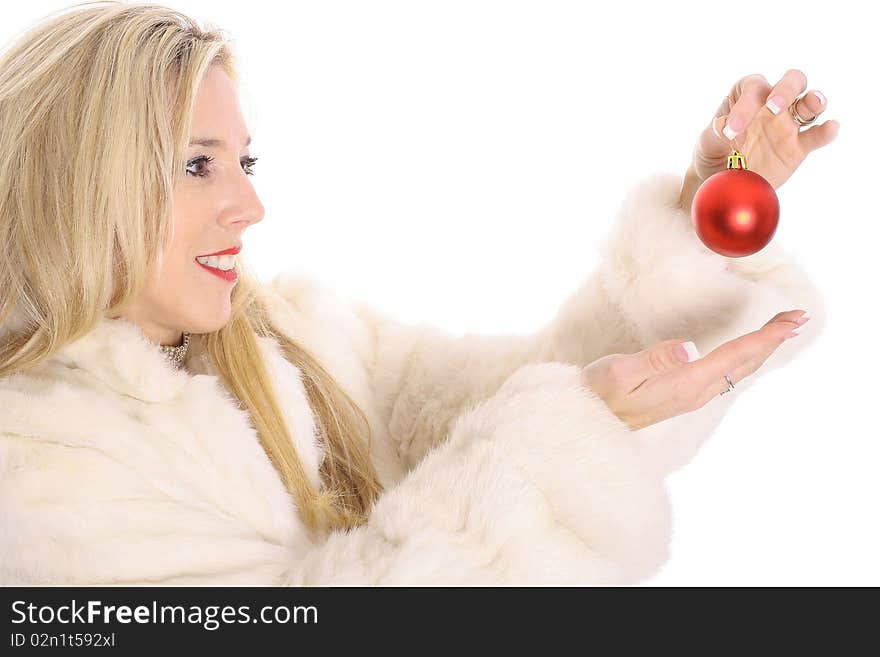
158, 334
175, 341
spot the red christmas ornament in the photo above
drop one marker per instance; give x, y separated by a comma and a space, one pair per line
735, 212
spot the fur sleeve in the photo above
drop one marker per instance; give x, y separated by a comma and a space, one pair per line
655, 281
664, 283
540, 484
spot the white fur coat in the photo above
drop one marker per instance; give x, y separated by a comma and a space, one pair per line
499, 466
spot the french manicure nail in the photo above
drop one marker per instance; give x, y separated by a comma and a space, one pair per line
803, 320
794, 333
729, 132
774, 104
688, 352
820, 97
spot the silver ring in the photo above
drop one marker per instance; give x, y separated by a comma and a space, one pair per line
792, 109
730, 385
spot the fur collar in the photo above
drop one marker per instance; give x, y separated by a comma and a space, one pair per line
117, 359
118, 354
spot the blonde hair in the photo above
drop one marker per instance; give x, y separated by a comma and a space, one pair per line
95, 114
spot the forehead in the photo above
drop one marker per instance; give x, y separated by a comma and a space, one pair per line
216, 111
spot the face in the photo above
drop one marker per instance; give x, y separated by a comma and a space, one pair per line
213, 205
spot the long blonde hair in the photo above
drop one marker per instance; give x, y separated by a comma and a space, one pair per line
95, 114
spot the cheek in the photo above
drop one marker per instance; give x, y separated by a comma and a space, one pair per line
191, 214
173, 277
178, 267
189, 224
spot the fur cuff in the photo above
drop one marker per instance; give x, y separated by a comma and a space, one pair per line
670, 285
541, 484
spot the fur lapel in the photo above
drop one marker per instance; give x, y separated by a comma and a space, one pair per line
114, 391
119, 355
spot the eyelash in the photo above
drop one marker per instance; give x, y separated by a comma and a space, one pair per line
248, 162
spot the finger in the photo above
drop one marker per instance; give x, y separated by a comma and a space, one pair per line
817, 136
693, 384
724, 107
717, 125
787, 315
786, 91
810, 105
740, 357
750, 93
660, 357
713, 147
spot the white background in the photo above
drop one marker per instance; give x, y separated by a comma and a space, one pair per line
457, 161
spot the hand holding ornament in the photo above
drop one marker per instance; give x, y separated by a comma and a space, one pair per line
749, 149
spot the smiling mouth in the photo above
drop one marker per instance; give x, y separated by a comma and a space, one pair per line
229, 275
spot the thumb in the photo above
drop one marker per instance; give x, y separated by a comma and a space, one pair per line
710, 153
716, 143
667, 355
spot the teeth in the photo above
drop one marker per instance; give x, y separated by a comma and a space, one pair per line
224, 263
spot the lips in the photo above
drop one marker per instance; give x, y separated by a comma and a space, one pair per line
230, 275
230, 251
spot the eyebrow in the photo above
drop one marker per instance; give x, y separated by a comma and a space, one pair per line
213, 143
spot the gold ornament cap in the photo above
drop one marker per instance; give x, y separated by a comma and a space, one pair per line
736, 160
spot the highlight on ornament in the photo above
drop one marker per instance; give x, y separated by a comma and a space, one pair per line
735, 212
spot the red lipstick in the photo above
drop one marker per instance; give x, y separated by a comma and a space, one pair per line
230, 276
230, 251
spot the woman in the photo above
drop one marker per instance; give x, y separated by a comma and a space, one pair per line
164, 422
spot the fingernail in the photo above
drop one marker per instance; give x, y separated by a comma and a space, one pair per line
729, 132
687, 352
774, 104
820, 97
803, 320
793, 333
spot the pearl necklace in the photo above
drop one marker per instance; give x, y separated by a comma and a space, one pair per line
176, 353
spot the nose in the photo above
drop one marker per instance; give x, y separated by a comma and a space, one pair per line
245, 207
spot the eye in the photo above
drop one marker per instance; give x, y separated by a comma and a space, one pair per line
246, 162
199, 160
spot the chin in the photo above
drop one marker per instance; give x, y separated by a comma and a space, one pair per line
208, 325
